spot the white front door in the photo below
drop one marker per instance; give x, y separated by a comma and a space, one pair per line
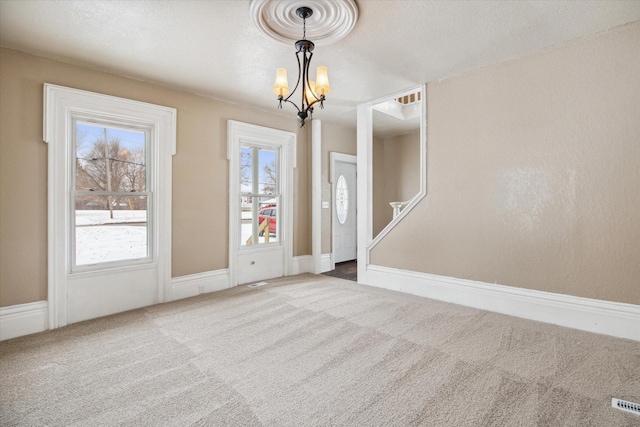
260, 202
109, 182
344, 207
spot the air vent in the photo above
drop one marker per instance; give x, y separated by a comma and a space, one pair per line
257, 284
623, 405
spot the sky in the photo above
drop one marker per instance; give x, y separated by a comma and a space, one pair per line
264, 157
129, 139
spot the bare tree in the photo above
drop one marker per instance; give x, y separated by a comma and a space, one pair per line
269, 177
245, 167
107, 166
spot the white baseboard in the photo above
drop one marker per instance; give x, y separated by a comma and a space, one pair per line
23, 319
301, 264
326, 262
602, 317
199, 283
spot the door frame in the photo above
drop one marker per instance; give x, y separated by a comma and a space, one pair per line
343, 158
240, 132
60, 105
366, 240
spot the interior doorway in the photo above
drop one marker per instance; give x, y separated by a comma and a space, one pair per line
347, 270
344, 216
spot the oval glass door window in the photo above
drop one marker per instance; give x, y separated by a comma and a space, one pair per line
342, 199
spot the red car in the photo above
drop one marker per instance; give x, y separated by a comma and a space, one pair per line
270, 213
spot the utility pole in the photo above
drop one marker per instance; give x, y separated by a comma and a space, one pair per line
108, 166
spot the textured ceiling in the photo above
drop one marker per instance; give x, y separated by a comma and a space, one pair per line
212, 47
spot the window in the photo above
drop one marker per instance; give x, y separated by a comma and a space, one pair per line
342, 199
110, 194
260, 195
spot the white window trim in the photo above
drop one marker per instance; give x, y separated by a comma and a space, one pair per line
60, 104
237, 134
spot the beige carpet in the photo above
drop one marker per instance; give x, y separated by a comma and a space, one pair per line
316, 351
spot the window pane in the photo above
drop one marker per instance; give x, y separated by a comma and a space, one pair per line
246, 168
110, 228
268, 172
258, 171
342, 199
110, 159
265, 224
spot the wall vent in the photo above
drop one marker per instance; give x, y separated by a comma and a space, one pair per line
626, 406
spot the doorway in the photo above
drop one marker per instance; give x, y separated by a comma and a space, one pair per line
344, 215
347, 270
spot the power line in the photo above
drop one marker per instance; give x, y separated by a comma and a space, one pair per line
109, 158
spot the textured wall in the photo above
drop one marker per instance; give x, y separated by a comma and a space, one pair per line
395, 175
200, 171
533, 174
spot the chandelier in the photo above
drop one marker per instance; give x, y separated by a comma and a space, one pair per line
313, 92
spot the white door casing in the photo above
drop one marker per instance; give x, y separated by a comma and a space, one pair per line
76, 295
344, 212
257, 262
366, 241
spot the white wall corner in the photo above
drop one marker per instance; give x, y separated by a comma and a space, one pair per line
301, 264
23, 319
326, 262
199, 283
591, 315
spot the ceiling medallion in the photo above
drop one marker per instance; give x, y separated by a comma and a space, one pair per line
331, 19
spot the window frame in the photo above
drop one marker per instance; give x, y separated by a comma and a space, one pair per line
277, 195
59, 103
96, 119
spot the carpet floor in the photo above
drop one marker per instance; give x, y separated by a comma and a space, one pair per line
316, 351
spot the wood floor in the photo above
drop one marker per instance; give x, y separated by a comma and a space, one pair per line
345, 270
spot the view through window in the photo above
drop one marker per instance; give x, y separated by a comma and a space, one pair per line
111, 199
259, 195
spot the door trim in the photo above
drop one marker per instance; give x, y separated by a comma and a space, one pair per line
238, 132
366, 240
344, 158
60, 103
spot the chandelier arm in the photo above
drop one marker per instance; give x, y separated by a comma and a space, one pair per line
292, 103
313, 92
320, 100
297, 83
306, 60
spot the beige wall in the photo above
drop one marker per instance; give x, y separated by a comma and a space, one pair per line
395, 175
340, 140
533, 174
200, 171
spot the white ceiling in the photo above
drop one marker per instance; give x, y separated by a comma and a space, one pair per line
212, 47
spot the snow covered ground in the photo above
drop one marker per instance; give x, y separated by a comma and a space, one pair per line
102, 217
102, 239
